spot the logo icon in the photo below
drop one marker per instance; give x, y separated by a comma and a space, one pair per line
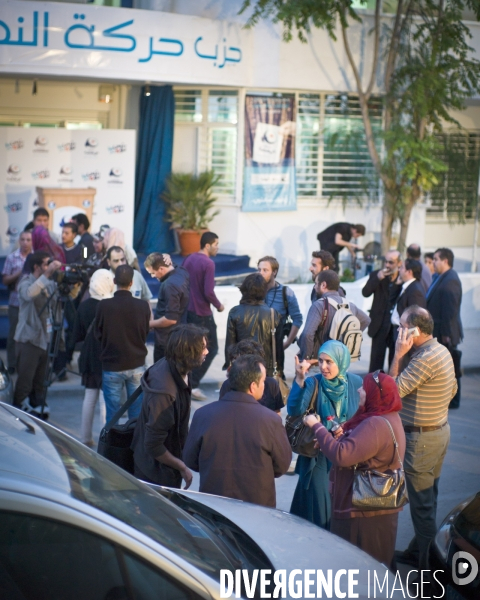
115, 172
13, 170
68, 147
66, 170
464, 568
12, 231
41, 141
15, 145
91, 176
117, 208
86, 203
14, 207
51, 205
91, 143
44, 174
117, 149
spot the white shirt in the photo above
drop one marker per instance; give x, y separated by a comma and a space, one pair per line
395, 319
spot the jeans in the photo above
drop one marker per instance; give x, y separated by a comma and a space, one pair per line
112, 386
209, 324
424, 456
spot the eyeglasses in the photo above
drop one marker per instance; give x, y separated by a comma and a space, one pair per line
376, 378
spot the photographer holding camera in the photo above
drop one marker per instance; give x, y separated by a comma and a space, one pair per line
33, 331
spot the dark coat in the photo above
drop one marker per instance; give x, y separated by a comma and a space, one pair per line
172, 304
163, 422
414, 294
385, 295
239, 447
254, 321
89, 359
443, 303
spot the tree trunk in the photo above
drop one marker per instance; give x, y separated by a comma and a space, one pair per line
387, 222
404, 221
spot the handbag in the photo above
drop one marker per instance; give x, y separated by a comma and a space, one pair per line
373, 490
115, 440
301, 437
282, 384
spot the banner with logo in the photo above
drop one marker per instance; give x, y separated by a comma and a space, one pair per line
269, 153
62, 158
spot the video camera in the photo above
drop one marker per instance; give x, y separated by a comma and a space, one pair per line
70, 276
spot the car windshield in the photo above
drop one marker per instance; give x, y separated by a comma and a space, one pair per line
94, 482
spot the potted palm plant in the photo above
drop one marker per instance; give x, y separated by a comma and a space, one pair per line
189, 202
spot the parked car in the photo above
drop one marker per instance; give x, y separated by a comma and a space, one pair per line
6, 385
73, 526
455, 551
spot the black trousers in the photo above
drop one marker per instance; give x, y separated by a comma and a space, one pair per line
209, 324
12, 326
385, 339
158, 352
31, 366
456, 357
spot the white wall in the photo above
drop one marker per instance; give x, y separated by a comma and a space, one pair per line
229, 296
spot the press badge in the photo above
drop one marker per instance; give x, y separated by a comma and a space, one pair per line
49, 325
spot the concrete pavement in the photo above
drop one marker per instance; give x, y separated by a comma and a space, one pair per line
461, 472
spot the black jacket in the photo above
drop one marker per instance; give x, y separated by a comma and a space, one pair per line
414, 294
163, 422
172, 302
443, 303
239, 447
122, 324
385, 293
254, 321
89, 359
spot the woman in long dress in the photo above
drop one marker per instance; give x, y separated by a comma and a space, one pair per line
337, 398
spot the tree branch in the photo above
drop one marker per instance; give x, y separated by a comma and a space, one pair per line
378, 6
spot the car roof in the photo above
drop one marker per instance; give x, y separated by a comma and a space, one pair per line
27, 451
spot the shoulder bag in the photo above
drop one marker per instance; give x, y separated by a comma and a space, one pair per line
115, 440
284, 388
373, 490
300, 436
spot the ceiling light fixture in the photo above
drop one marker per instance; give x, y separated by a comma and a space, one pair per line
147, 90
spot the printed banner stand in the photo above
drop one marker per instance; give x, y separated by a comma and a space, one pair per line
63, 203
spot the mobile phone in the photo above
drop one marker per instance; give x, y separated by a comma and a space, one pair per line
413, 332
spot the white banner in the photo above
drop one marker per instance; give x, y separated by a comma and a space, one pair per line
63, 158
106, 43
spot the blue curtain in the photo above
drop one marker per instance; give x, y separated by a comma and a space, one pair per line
154, 164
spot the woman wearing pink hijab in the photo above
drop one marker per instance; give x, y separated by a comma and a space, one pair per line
41, 240
116, 237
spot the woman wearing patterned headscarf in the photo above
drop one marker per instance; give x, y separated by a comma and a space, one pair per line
338, 398
368, 443
101, 287
41, 240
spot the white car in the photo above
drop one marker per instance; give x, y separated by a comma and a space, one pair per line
73, 526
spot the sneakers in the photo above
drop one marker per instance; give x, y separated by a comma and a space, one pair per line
197, 394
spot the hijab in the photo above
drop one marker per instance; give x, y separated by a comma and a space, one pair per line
377, 402
113, 237
334, 392
101, 284
41, 240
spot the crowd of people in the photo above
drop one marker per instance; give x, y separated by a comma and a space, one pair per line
239, 444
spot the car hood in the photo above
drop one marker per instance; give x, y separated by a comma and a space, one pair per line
293, 543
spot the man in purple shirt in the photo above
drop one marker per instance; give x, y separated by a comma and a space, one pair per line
201, 269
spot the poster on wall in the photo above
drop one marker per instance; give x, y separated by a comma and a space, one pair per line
269, 154
62, 158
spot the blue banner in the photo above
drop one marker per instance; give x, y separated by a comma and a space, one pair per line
269, 154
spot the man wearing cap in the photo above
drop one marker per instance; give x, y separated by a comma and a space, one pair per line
173, 298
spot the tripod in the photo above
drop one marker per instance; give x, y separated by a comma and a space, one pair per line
58, 302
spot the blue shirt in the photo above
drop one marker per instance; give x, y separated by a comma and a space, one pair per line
274, 299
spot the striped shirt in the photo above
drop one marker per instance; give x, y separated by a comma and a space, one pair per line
427, 385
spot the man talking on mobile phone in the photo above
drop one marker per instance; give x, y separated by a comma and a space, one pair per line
426, 385
382, 283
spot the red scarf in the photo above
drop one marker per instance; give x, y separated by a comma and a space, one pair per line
377, 403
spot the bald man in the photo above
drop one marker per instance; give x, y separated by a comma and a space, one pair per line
383, 285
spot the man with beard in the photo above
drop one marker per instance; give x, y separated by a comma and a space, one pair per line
283, 300
162, 425
322, 260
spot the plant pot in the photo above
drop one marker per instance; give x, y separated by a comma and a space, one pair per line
189, 240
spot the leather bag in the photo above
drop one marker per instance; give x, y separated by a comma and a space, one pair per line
115, 440
282, 384
373, 490
301, 437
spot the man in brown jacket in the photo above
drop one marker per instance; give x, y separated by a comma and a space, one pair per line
239, 446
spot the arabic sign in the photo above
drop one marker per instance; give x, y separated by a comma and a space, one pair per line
101, 42
104, 160
269, 153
